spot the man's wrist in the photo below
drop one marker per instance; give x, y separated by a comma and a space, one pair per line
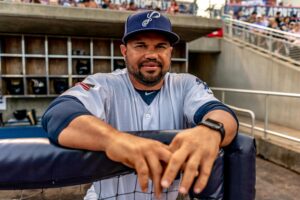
214, 125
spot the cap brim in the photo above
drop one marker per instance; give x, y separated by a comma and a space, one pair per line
171, 36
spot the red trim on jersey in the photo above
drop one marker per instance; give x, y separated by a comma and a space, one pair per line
85, 86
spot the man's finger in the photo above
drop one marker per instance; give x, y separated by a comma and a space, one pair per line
156, 172
173, 167
143, 174
164, 154
175, 144
204, 173
190, 171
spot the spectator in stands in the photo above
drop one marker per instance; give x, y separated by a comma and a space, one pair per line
164, 4
132, 6
291, 26
173, 8
273, 23
44, 2
252, 18
297, 28
240, 16
260, 21
107, 4
182, 8
265, 20
123, 5
294, 18
278, 17
90, 4
67, 3
284, 24
193, 7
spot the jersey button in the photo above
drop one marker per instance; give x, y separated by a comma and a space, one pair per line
147, 115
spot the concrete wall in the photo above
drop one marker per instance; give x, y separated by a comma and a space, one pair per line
205, 45
244, 68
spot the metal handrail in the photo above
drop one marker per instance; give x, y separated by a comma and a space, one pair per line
281, 44
271, 30
250, 112
266, 118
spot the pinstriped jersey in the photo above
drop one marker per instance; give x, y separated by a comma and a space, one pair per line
112, 98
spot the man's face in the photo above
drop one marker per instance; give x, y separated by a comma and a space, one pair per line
148, 57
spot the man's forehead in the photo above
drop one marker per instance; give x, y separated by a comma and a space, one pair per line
149, 36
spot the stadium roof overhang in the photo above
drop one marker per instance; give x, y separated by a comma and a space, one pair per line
57, 20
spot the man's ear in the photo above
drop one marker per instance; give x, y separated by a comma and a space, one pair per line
123, 49
171, 49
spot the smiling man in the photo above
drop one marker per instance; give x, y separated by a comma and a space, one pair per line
148, 59
96, 113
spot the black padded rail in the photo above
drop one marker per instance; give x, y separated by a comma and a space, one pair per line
29, 161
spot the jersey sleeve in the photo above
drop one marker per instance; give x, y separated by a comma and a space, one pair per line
210, 106
94, 94
196, 94
86, 98
199, 100
60, 113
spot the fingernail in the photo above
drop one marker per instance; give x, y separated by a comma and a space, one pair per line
164, 183
182, 190
197, 190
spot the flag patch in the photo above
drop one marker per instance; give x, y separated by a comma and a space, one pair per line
85, 86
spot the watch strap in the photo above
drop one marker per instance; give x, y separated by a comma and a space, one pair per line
215, 125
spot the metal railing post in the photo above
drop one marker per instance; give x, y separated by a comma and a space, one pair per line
266, 116
223, 96
230, 28
244, 33
270, 43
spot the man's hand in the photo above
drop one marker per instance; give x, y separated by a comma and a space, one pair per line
194, 151
144, 155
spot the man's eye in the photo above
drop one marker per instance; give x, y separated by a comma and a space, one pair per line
161, 47
140, 46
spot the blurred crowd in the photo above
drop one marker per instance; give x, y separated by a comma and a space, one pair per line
288, 23
169, 6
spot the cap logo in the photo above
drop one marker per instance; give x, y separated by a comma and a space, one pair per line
150, 16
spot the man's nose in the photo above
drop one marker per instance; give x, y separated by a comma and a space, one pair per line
151, 54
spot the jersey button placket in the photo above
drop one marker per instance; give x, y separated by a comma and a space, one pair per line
147, 120
147, 115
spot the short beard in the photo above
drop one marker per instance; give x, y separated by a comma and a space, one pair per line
147, 81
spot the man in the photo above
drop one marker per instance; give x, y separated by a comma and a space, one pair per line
96, 114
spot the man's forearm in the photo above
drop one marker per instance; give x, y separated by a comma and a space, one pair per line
87, 132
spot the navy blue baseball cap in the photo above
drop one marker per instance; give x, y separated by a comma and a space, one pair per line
149, 21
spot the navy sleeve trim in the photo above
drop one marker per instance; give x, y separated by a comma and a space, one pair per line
60, 113
210, 106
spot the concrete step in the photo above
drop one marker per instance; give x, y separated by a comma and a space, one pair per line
279, 150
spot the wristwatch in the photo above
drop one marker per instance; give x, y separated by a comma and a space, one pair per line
215, 125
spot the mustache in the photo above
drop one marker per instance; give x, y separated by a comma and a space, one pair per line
145, 62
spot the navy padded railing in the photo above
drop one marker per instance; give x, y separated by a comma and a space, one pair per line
29, 161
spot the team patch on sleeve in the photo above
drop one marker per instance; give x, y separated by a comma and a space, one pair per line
85, 86
200, 82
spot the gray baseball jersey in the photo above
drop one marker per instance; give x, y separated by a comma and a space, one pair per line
112, 98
